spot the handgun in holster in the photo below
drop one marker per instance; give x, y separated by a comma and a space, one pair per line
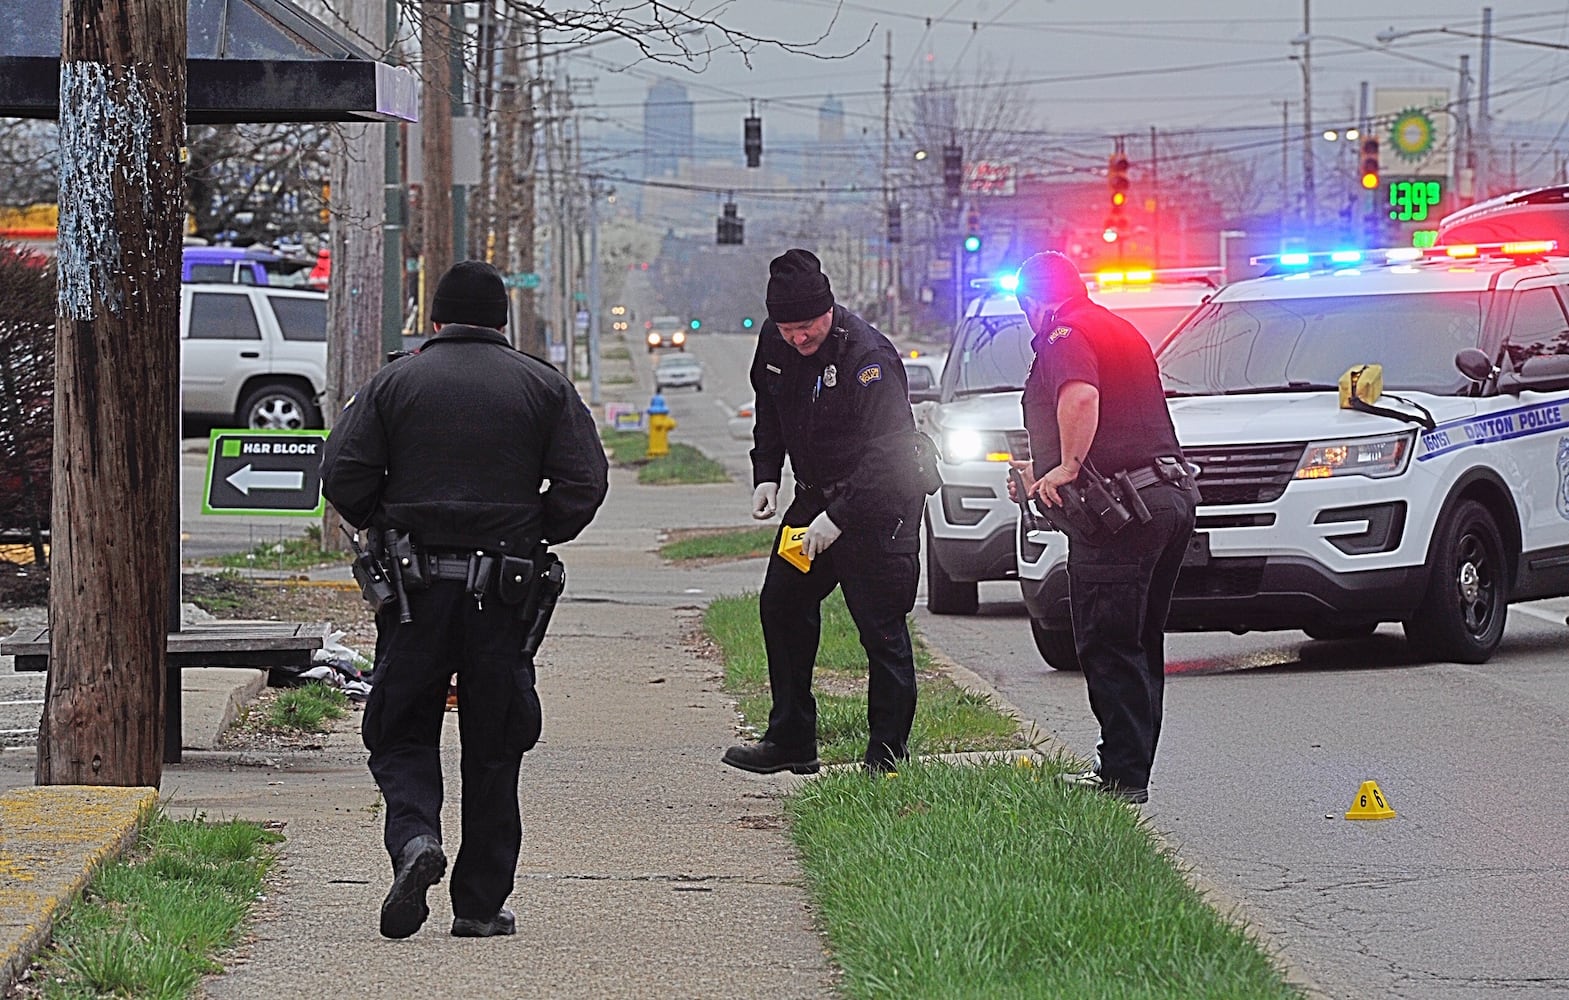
551, 581
375, 586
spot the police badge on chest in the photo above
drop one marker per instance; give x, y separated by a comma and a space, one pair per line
830, 376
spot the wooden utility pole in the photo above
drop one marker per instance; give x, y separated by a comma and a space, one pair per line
528, 336
436, 141
117, 370
354, 307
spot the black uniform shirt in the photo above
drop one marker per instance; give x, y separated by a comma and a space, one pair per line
1086, 342
455, 442
843, 416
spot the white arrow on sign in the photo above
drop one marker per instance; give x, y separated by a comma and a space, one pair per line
246, 479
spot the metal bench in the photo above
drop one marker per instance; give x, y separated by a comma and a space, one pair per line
206, 644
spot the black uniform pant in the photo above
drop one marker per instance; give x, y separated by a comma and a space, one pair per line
1120, 593
879, 590
498, 719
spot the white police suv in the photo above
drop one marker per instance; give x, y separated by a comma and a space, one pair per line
978, 424
1436, 507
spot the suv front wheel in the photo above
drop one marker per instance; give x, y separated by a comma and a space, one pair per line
945, 595
1461, 618
277, 407
1055, 646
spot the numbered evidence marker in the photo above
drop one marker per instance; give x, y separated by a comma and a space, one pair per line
1370, 803
264, 472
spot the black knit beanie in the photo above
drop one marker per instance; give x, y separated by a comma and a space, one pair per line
471, 292
798, 290
1049, 277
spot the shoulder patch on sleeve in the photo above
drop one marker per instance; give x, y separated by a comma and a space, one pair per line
869, 374
1058, 334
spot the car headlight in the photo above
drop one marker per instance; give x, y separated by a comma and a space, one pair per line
678, 338
1377, 458
966, 445
653, 340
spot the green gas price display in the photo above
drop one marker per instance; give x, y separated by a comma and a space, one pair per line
1411, 200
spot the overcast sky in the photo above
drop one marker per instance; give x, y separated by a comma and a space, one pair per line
1096, 67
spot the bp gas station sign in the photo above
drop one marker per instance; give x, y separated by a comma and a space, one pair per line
264, 472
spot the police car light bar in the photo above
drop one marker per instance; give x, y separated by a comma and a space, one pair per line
1396, 255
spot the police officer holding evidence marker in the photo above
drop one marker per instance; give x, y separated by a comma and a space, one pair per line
1107, 468
831, 395
441, 458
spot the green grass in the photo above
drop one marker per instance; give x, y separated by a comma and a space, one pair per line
299, 552
722, 543
615, 354
685, 465
308, 709
997, 881
982, 880
948, 719
151, 924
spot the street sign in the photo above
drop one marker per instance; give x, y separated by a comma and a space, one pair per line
264, 472
523, 279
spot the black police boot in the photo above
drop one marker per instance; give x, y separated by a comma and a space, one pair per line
503, 923
768, 758
419, 867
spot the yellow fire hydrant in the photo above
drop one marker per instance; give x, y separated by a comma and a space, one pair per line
660, 424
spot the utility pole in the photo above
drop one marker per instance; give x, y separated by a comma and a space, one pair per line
1465, 151
1309, 193
1285, 162
593, 291
354, 301
1483, 133
883, 258
529, 336
1155, 198
394, 215
117, 392
436, 210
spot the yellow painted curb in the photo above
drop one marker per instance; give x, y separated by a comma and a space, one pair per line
53, 838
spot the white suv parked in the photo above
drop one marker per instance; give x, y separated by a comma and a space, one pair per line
978, 424
1437, 512
253, 356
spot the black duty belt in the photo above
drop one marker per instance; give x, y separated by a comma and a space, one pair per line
448, 564
1166, 470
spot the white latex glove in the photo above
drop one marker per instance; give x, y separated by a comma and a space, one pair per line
765, 500
820, 534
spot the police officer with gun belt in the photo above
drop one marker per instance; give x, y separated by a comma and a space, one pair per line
832, 397
442, 461
1106, 471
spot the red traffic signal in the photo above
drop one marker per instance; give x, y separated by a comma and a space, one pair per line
1370, 163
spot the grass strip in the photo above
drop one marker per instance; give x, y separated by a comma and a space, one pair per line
997, 881
684, 465
722, 543
300, 552
948, 719
150, 924
308, 708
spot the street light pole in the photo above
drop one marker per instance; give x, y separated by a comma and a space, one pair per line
1309, 194
1483, 132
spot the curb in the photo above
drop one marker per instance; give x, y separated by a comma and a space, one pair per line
53, 839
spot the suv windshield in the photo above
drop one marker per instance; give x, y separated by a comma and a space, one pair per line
993, 355
1265, 345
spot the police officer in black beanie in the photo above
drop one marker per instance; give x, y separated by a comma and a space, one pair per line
1093, 403
449, 447
831, 395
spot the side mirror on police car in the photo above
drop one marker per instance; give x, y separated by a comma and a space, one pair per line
1475, 365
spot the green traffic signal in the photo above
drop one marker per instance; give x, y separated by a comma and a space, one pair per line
972, 244
747, 323
696, 324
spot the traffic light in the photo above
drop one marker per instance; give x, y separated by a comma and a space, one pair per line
972, 231
1117, 180
1117, 187
731, 229
747, 323
953, 173
1370, 162
753, 142
895, 223
696, 325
